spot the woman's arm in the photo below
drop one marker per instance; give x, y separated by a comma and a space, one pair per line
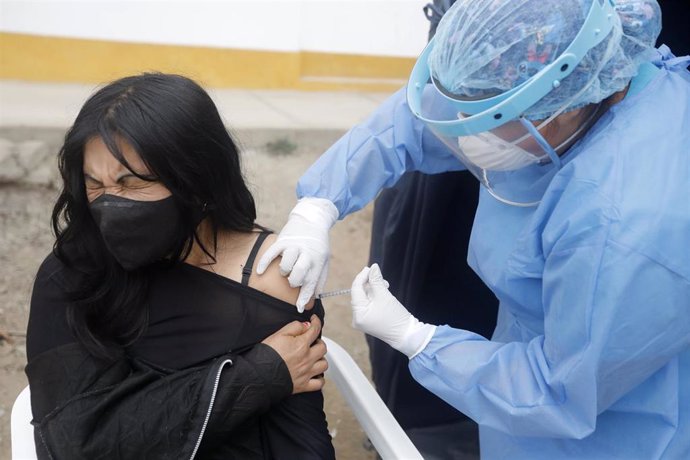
122, 409
272, 282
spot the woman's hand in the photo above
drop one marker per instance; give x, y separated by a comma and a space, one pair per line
304, 354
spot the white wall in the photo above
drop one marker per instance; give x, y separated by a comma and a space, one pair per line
374, 27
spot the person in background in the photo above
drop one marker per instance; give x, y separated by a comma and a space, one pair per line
148, 337
675, 33
557, 108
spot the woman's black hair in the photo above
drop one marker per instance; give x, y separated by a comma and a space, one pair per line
175, 127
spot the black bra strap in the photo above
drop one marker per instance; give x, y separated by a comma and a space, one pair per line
247, 269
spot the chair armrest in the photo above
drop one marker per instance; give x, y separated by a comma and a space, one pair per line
378, 423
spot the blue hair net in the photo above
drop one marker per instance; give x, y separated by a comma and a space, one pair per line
486, 47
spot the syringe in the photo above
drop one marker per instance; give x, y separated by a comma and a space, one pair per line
340, 292
334, 293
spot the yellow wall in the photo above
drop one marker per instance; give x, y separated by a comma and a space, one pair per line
52, 59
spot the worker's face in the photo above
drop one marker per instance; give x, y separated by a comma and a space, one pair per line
564, 130
104, 174
556, 132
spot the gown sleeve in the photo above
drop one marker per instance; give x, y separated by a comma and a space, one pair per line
373, 155
614, 315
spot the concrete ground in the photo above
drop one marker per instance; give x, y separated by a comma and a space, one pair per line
281, 133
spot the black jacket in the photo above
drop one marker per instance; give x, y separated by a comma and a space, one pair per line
84, 408
177, 392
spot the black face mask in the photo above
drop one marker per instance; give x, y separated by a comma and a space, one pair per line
136, 233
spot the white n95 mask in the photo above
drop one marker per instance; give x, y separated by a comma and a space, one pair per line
489, 152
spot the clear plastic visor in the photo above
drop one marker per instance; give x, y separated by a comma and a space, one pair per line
513, 161
510, 146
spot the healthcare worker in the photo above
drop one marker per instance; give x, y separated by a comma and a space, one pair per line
419, 237
579, 132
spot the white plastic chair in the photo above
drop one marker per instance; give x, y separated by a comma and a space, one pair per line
378, 423
22, 432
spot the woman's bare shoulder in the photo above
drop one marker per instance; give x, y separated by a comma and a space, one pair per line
271, 281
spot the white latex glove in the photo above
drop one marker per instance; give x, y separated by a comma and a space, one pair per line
376, 312
304, 246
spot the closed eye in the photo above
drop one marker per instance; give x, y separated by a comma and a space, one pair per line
92, 183
132, 181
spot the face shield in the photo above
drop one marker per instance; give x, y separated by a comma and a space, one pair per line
505, 151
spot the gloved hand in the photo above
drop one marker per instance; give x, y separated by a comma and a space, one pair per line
303, 243
376, 312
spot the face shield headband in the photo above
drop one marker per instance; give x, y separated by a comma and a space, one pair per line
505, 151
487, 114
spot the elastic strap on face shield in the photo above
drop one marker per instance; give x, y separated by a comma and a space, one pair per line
543, 143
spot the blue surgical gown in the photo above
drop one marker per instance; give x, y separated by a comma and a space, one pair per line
591, 354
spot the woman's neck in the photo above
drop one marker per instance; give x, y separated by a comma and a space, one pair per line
216, 244
204, 235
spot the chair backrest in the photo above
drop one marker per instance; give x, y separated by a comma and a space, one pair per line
378, 423
22, 432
